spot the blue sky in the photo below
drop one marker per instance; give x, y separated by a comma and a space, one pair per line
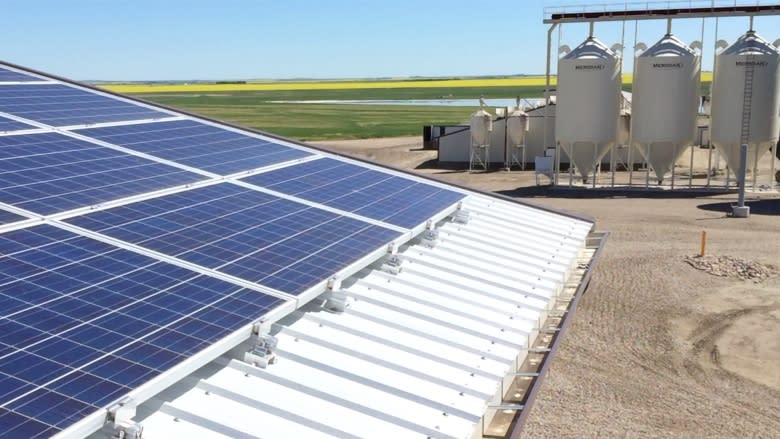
242, 39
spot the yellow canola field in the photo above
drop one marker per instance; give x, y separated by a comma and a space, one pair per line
325, 85
527, 81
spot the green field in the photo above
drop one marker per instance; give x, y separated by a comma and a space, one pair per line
256, 109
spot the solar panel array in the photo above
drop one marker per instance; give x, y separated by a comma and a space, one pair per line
101, 298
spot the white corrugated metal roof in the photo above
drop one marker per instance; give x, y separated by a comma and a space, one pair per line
419, 353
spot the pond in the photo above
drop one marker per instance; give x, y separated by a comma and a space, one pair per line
426, 102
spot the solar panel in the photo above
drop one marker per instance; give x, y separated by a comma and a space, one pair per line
83, 323
63, 105
48, 173
12, 76
199, 145
277, 243
12, 125
375, 194
8, 217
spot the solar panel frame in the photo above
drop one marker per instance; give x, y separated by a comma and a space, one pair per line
68, 349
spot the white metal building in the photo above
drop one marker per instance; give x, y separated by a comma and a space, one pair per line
449, 342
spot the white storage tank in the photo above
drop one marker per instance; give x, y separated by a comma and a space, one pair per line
727, 99
517, 127
665, 102
587, 108
481, 125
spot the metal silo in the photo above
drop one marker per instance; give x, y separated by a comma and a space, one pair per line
587, 107
665, 102
753, 57
517, 126
481, 124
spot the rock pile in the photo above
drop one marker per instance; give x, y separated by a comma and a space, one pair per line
727, 266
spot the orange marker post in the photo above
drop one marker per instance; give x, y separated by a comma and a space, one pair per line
703, 242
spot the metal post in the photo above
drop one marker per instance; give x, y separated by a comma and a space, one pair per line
674, 167
755, 168
709, 161
547, 101
647, 165
630, 131
740, 210
714, 68
772, 166
507, 152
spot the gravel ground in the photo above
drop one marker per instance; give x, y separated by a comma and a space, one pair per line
657, 348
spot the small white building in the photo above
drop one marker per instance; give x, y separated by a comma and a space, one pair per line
455, 143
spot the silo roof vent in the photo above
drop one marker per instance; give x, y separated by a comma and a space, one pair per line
669, 45
591, 48
751, 44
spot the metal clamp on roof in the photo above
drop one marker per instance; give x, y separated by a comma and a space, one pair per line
129, 430
262, 352
335, 300
391, 264
121, 415
429, 238
461, 216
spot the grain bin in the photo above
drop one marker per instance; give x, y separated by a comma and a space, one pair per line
587, 107
749, 52
665, 102
517, 126
481, 125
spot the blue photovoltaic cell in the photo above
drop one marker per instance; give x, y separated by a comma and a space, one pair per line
378, 195
257, 237
82, 323
62, 105
8, 217
12, 125
198, 145
12, 76
49, 172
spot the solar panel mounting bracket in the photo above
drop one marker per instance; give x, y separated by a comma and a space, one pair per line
430, 238
121, 415
262, 352
129, 430
461, 216
334, 300
392, 248
392, 264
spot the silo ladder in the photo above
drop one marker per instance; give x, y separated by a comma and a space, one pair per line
747, 98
